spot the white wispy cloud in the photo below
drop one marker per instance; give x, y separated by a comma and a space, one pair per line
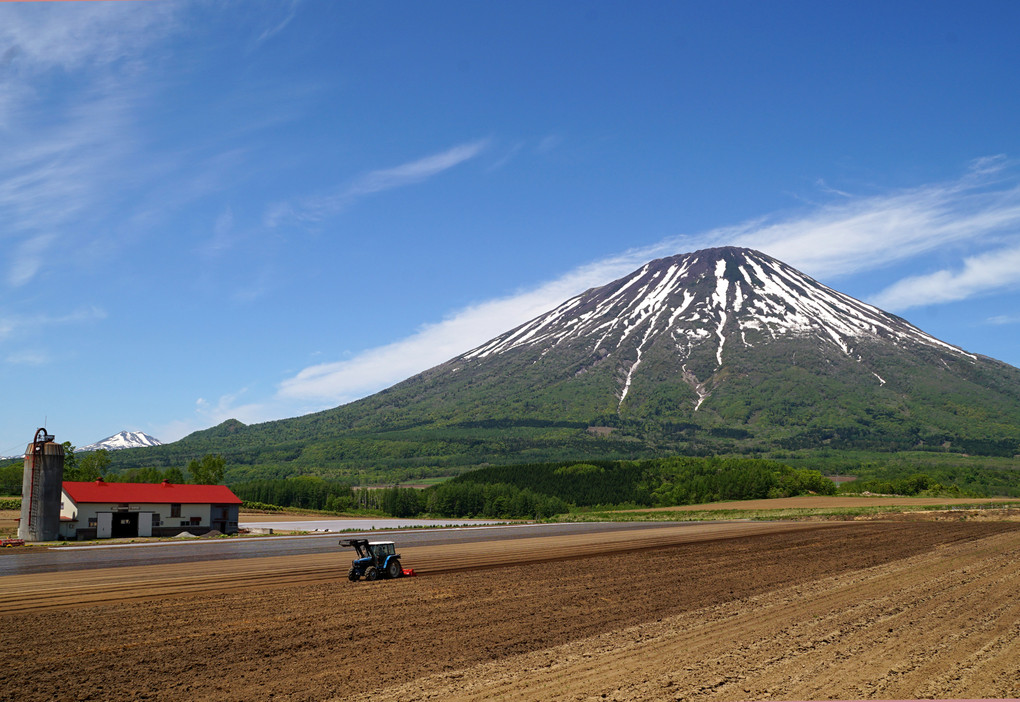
11, 324
17, 328
39, 37
28, 259
549, 143
28, 358
63, 148
319, 207
224, 238
992, 271
279, 26
980, 208
1003, 319
212, 412
229, 406
509, 154
432, 344
879, 231
49, 174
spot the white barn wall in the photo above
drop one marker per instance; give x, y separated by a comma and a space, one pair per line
86, 511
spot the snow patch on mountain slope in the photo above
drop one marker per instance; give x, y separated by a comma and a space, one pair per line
691, 297
123, 440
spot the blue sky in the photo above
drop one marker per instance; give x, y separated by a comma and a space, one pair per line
260, 209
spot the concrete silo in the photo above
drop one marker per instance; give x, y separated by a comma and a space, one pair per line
41, 489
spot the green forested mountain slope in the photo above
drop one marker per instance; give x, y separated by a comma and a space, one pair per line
723, 350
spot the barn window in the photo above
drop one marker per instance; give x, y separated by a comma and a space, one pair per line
195, 521
155, 519
175, 510
93, 522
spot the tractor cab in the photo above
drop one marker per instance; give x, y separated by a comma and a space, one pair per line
381, 549
376, 559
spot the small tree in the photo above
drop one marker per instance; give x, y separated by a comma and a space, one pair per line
10, 480
93, 465
208, 471
70, 461
174, 475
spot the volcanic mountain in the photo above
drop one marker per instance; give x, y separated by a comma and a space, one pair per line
124, 440
717, 350
678, 314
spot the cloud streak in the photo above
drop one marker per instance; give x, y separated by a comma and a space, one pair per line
279, 26
989, 272
1003, 319
980, 209
879, 231
63, 148
13, 325
317, 208
433, 344
39, 37
28, 259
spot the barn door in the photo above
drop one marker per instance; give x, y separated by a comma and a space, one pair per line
145, 523
104, 525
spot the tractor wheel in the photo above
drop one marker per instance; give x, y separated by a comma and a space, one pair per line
371, 573
393, 569
353, 575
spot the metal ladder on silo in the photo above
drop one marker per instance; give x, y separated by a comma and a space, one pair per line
38, 447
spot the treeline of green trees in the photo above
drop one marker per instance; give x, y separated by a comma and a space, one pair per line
89, 466
686, 480
917, 485
142, 475
472, 500
95, 465
913, 485
10, 479
545, 489
444, 500
895, 439
307, 492
934, 479
582, 484
678, 480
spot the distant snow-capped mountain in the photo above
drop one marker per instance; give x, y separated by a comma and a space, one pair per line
123, 440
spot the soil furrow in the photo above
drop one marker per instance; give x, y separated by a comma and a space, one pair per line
758, 616
794, 643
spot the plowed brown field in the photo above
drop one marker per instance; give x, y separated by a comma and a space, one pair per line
852, 610
833, 501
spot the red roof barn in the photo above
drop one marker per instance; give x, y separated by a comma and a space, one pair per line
98, 509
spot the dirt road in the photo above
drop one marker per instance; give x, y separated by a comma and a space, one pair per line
856, 610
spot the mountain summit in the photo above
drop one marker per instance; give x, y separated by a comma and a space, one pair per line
123, 440
695, 304
720, 350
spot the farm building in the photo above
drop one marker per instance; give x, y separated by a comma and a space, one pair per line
101, 510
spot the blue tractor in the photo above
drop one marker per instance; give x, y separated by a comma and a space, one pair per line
376, 559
